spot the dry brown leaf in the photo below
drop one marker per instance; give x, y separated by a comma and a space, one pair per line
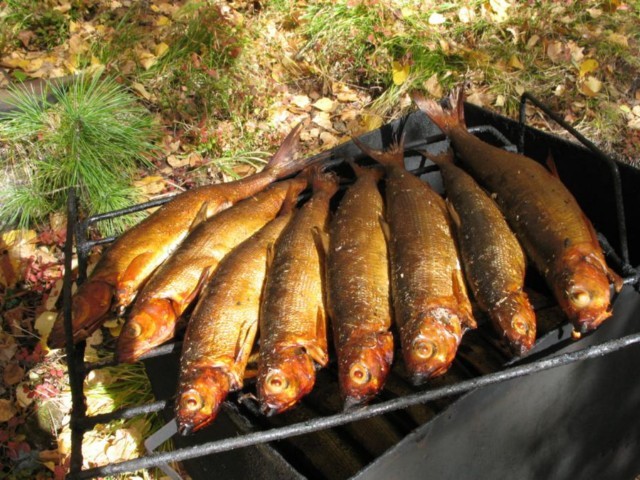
195, 159
12, 374
532, 42
140, 90
301, 101
618, 39
433, 87
328, 140
576, 51
323, 119
7, 410
557, 52
325, 104
176, 161
150, 185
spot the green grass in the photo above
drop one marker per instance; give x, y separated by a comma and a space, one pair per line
93, 136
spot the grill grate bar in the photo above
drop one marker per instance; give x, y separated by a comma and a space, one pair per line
123, 413
363, 413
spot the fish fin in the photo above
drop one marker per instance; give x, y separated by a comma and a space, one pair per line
315, 349
133, 269
283, 160
551, 165
455, 218
462, 297
386, 231
394, 155
613, 277
204, 276
320, 181
271, 252
200, 217
245, 339
321, 239
445, 119
440, 158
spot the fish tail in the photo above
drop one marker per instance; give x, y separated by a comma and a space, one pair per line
284, 163
393, 156
296, 186
361, 171
445, 119
440, 158
321, 181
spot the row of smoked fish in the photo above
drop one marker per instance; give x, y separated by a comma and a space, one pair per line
262, 266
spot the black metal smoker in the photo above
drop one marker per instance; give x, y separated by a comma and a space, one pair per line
566, 410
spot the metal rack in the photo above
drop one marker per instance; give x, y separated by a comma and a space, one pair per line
78, 369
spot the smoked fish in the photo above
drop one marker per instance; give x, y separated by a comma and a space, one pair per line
176, 283
493, 260
222, 330
358, 289
551, 227
293, 328
134, 256
432, 309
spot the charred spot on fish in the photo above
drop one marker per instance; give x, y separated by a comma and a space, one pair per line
133, 330
424, 349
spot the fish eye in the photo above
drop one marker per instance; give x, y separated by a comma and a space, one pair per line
520, 325
424, 349
276, 382
579, 297
359, 374
133, 330
191, 401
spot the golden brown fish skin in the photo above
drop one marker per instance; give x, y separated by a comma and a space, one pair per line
546, 218
358, 290
431, 305
292, 317
173, 287
494, 263
135, 255
222, 330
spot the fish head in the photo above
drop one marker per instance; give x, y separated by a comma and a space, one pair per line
201, 393
517, 320
582, 290
284, 378
430, 342
363, 366
88, 307
151, 323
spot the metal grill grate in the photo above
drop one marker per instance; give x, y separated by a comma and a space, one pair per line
78, 369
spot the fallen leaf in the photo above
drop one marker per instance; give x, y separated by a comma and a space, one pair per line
44, 323
514, 62
140, 90
323, 119
594, 12
161, 49
325, 104
23, 399
328, 140
162, 21
556, 51
301, 101
432, 85
634, 123
532, 42
500, 10
150, 185
576, 52
500, 101
371, 121
590, 86
400, 72
7, 410
588, 66
618, 39
176, 161
195, 159
12, 374
437, 19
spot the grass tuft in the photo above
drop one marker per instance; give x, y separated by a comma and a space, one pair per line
92, 136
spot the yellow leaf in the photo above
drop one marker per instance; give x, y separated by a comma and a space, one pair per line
514, 62
162, 21
325, 105
588, 66
619, 39
400, 72
371, 121
139, 88
590, 86
161, 49
7, 410
150, 185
